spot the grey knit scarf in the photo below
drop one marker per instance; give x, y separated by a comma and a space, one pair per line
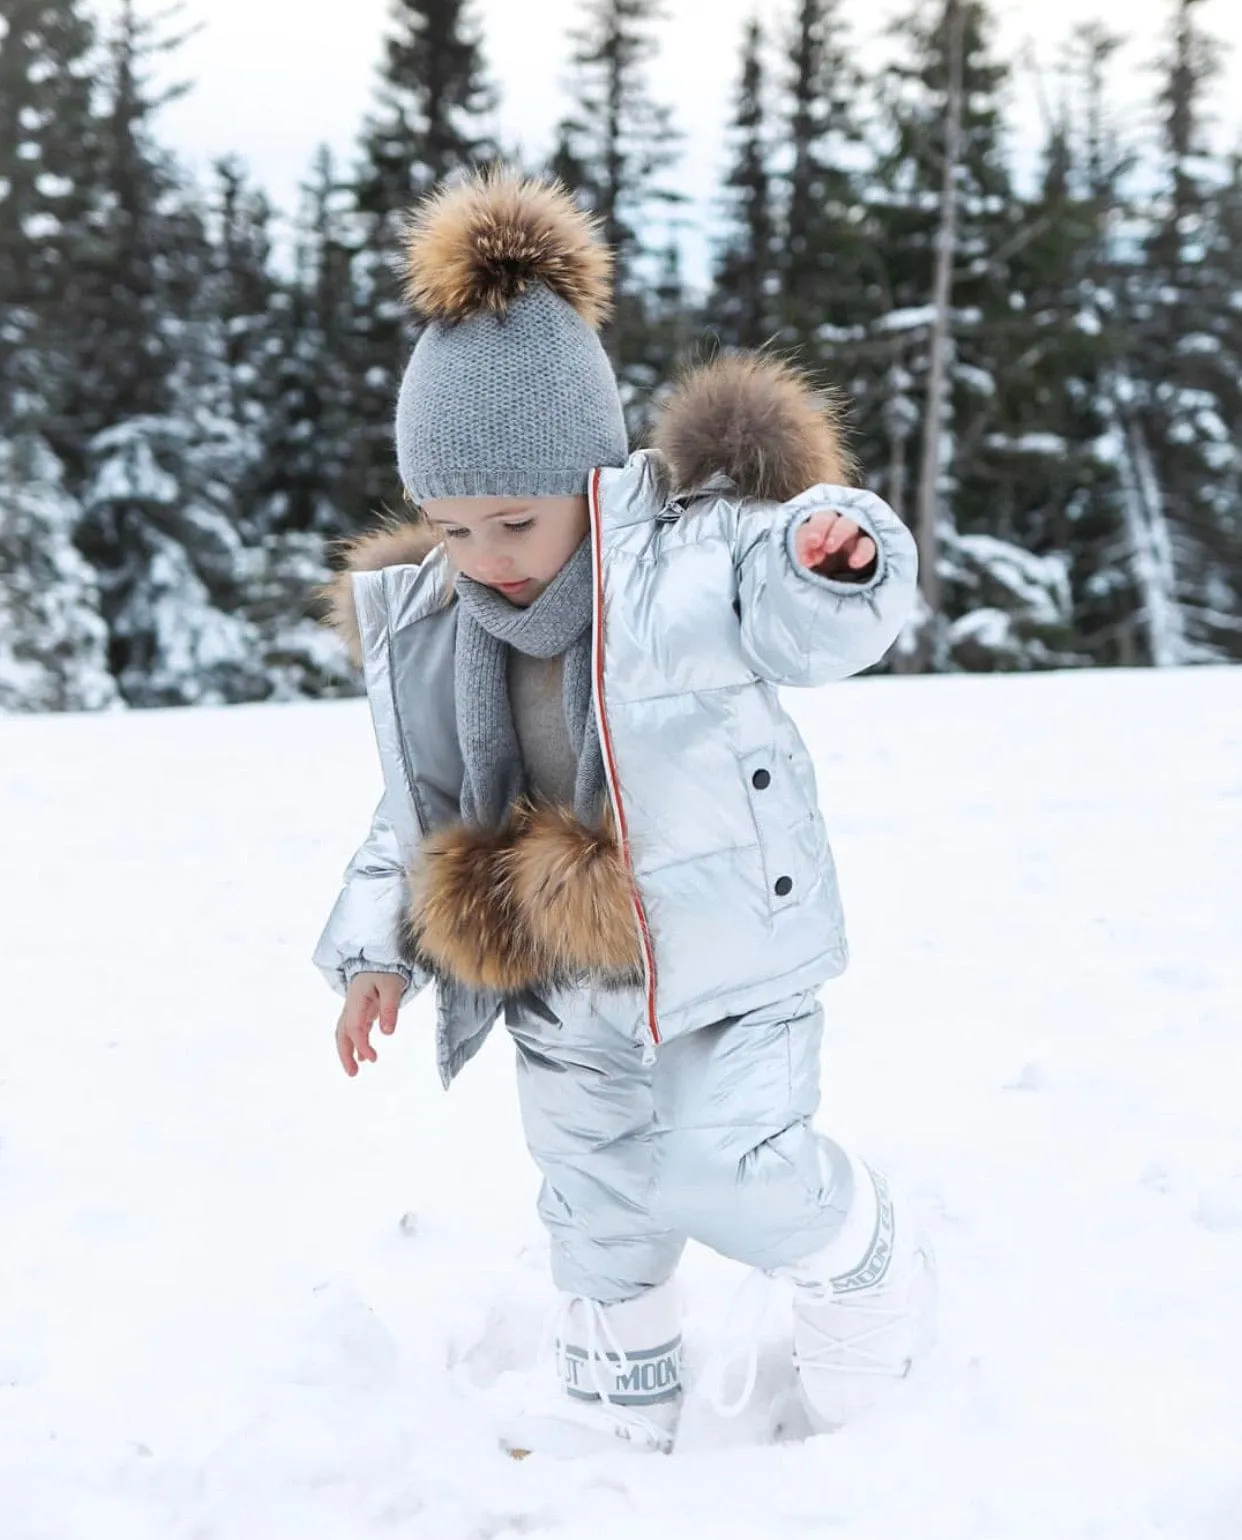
559, 621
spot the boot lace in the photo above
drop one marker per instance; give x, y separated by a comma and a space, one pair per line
600, 1338
853, 1347
848, 1349
751, 1308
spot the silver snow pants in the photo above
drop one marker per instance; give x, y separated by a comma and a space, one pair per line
712, 1142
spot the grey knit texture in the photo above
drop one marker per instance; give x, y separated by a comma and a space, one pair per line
524, 404
558, 622
537, 700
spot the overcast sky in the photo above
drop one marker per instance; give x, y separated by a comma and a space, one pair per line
274, 78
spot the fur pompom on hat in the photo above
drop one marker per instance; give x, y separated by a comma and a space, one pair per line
757, 421
476, 246
509, 392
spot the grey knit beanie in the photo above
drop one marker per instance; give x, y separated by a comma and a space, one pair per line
508, 390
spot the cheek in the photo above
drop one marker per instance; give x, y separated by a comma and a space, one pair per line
536, 557
554, 552
465, 562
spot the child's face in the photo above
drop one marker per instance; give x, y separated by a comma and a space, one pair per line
516, 545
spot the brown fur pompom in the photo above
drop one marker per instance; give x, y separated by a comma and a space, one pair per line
474, 246
461, 918
760, 422
571, 886
396, 543
542, 901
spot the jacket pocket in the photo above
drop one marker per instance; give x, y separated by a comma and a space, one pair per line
783, 825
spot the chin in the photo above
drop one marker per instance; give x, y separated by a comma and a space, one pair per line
525, 593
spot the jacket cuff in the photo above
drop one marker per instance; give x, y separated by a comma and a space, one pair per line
353, 966
841, 588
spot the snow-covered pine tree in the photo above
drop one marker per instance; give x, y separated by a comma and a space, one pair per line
47, 190
827, 262
243, 288
944, 218
430, 117
613, 147
672, 334
1223, 580
284, 390
742, 306
1051, 346
160, 521
168, 561
196, 613
136, 288
310, 482
1178, 390
53, 640
1075, 226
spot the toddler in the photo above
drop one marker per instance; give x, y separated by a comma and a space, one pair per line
599, 825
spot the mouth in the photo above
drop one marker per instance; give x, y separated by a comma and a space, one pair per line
511, 588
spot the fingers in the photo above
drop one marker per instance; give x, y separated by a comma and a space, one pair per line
361, 1036
829, 540
804, 545
369, 996
345, 1049
810, 542
353, 1031
390, 1000
840, 533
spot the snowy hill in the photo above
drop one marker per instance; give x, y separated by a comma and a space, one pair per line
244, 1298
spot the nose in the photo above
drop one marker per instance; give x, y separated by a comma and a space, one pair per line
493, 563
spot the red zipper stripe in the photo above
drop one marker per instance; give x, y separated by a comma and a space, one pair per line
610, 764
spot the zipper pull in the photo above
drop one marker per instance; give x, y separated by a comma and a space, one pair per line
649, 1055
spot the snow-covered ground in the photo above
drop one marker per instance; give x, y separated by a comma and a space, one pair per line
245, 1298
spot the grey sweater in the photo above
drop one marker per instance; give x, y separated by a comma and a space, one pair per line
536, 698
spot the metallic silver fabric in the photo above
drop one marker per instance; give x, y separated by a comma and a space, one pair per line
702, 612
712, 1142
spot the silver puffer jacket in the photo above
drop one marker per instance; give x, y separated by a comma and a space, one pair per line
701, 612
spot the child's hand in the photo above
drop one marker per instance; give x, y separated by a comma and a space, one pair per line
369, 995
834, 546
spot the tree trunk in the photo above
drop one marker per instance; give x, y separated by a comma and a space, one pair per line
927, 505
1147, 533
900, 417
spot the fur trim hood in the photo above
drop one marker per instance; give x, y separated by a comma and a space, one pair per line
396, 543
746, 422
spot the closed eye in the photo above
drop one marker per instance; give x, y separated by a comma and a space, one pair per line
461, 534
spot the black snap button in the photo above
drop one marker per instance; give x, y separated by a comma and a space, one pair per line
784, 885
761, 780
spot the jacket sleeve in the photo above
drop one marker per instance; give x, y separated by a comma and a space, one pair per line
801, 628
362, 933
